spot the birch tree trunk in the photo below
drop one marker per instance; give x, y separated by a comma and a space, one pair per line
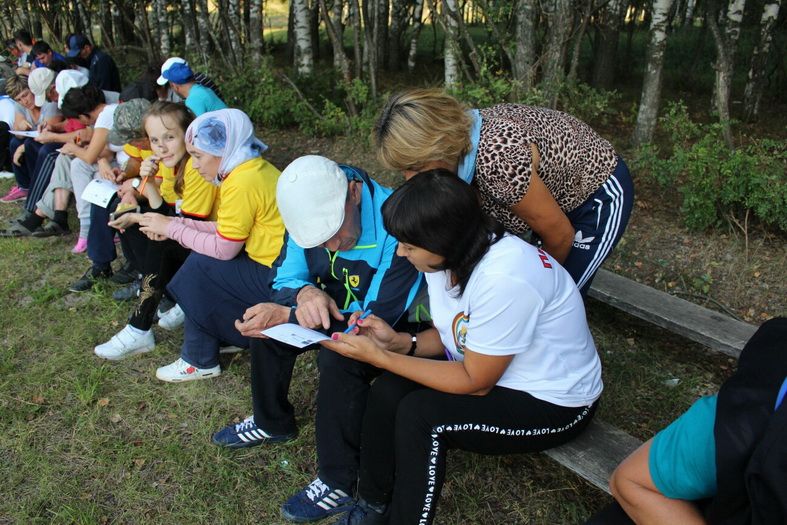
755, 84
369, 48
525, 54
255, 31
608, 34
355, 21
725, 60
162, 25
304, 56
338, 27
203, 23
558, 18
651, 86
189, 24
233, 26
418, 11
729, 40
452, 53
689, 19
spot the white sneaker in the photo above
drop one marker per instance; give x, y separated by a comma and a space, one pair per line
172, 318
125, 343
180, 370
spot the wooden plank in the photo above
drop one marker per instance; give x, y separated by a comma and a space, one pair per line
595, 453
715, 330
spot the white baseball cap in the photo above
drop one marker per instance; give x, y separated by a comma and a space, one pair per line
67, 79
161, 81
311, 194
39, 81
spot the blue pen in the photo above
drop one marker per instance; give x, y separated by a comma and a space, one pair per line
364, 315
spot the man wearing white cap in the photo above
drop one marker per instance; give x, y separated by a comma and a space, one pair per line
337, 259
199, 78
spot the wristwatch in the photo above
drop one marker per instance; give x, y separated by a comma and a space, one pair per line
139, 184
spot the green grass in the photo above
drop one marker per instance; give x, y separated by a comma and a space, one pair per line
90, 441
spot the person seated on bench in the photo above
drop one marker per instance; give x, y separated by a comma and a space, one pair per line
229, 267
534, 168
510, 365
728, 447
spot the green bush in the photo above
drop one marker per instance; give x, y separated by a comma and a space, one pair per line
717, 182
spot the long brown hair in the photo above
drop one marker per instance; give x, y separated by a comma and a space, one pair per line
183, 117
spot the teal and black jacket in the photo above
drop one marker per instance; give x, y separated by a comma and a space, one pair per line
369, 276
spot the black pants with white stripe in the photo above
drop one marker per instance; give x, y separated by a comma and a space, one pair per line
408, 429
599, 224
45, 165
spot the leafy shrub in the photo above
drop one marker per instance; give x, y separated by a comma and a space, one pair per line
715, 181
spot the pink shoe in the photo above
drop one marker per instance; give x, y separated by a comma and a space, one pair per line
15, 194
80, 246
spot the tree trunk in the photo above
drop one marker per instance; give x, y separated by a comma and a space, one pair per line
525, 54
583, 24
189, 24
289, 49
355, 21
689, 19
381, 29
608, 34
418, 11
304, 56
729, 40
255, 31
203, 23
452, 52
105, 18
369, 48
398, 16
755, 84
651, 86
232, 27
162, 26
724, 63
559, 21
314, 28
338, 51
84, 18
338, 27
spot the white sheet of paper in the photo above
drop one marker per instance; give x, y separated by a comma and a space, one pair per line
99, 192
28, 134
295, 335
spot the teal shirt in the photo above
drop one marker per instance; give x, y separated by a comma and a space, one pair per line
202, 99
682, 459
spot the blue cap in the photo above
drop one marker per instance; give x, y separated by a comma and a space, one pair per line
75, 44
178, 73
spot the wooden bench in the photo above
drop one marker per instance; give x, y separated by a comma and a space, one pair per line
595, 454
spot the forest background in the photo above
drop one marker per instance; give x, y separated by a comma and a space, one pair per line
692, 93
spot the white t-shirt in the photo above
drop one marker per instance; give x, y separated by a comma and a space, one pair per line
111, 97
105, 120
521, 302
8, 110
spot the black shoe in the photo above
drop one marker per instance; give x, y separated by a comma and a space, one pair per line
52, 229
125, 275
87, 281
364, 513
17, 229
129, 292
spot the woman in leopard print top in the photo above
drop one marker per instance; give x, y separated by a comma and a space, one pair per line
533, 168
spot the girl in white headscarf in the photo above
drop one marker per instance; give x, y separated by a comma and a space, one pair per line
227, 271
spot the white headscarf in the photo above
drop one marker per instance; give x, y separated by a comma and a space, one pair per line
226, 133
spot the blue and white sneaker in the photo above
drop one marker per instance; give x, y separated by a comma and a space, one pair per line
247, 434
315, 502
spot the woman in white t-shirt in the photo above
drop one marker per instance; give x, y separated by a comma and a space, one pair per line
509, 367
